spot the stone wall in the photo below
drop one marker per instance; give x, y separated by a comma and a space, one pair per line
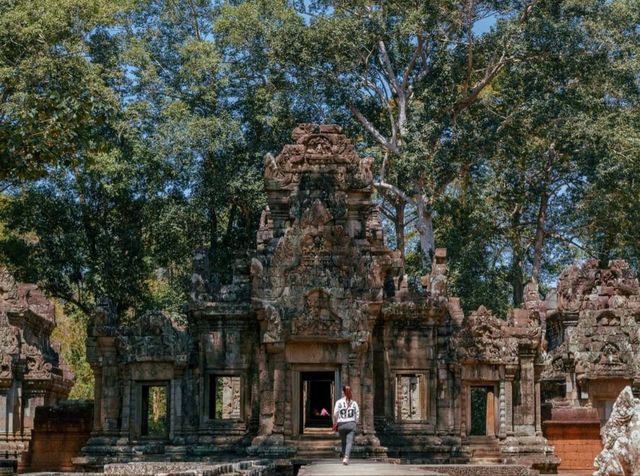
58, 435
575, 435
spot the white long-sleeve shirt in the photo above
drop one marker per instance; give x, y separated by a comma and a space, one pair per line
346, 411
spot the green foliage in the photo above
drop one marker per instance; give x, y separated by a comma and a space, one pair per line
133, 132
70, 334
54, 102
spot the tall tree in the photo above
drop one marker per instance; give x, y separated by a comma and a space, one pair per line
54, 101
408, 72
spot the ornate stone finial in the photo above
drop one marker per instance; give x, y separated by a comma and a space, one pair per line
200, 290
105, 319
8, 286
439, 273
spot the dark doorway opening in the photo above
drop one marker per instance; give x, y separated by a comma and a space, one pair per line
155, 410
318, 397
482, 411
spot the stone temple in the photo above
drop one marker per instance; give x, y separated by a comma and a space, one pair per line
322, 302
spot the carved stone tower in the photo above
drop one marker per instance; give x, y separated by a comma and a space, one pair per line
318, 282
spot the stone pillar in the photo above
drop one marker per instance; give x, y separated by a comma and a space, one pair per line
366, 407
463, 409
3, 410
177, 426
266, 395
110, 401
10, 399
456, 397
502, 432
538, 401
279, 391
509, 376
355, 383
451, 423
538, 411
525, 416
15, 418
97, 398
125, 423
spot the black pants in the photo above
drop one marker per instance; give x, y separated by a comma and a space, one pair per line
347, 432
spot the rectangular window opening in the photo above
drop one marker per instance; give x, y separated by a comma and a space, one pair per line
225, 397
155, 410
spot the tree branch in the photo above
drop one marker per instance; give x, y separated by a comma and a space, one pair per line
382, 140
386, 63
387, 187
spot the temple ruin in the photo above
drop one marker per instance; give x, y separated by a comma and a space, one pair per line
256, 367
320, 303
593, 334
32, 374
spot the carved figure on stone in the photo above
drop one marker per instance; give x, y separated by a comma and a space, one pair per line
274, 325
317, 318
105, 317
271, 170
6, 361
8, 286
439, 273
364, 177
200, 276
621, 439
37, 366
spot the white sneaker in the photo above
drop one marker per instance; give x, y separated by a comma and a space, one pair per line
345, 461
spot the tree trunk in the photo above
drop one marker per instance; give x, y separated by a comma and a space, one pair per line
399, 225
425, 229
517, 281
517, 278
540, 235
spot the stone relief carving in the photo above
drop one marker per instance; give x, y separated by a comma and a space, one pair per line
154, 335
596, 317
37, 366
482, 338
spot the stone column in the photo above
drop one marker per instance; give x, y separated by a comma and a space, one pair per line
538, 401
356, 368
175, 410
110, 411
525, 417
265, 394
366, 407
15, 418
509, 376
125, 422
455, 397
538, 411
571, 388
502, 432
3, 410
463, 409
97, 398
279, 391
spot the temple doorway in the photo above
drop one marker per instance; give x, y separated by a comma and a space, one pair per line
483, 411
317, 395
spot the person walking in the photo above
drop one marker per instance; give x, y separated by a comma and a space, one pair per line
346, 415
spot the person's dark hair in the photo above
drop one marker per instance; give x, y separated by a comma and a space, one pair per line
347, 392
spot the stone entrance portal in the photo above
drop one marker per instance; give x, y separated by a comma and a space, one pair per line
482, 411
318, 392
